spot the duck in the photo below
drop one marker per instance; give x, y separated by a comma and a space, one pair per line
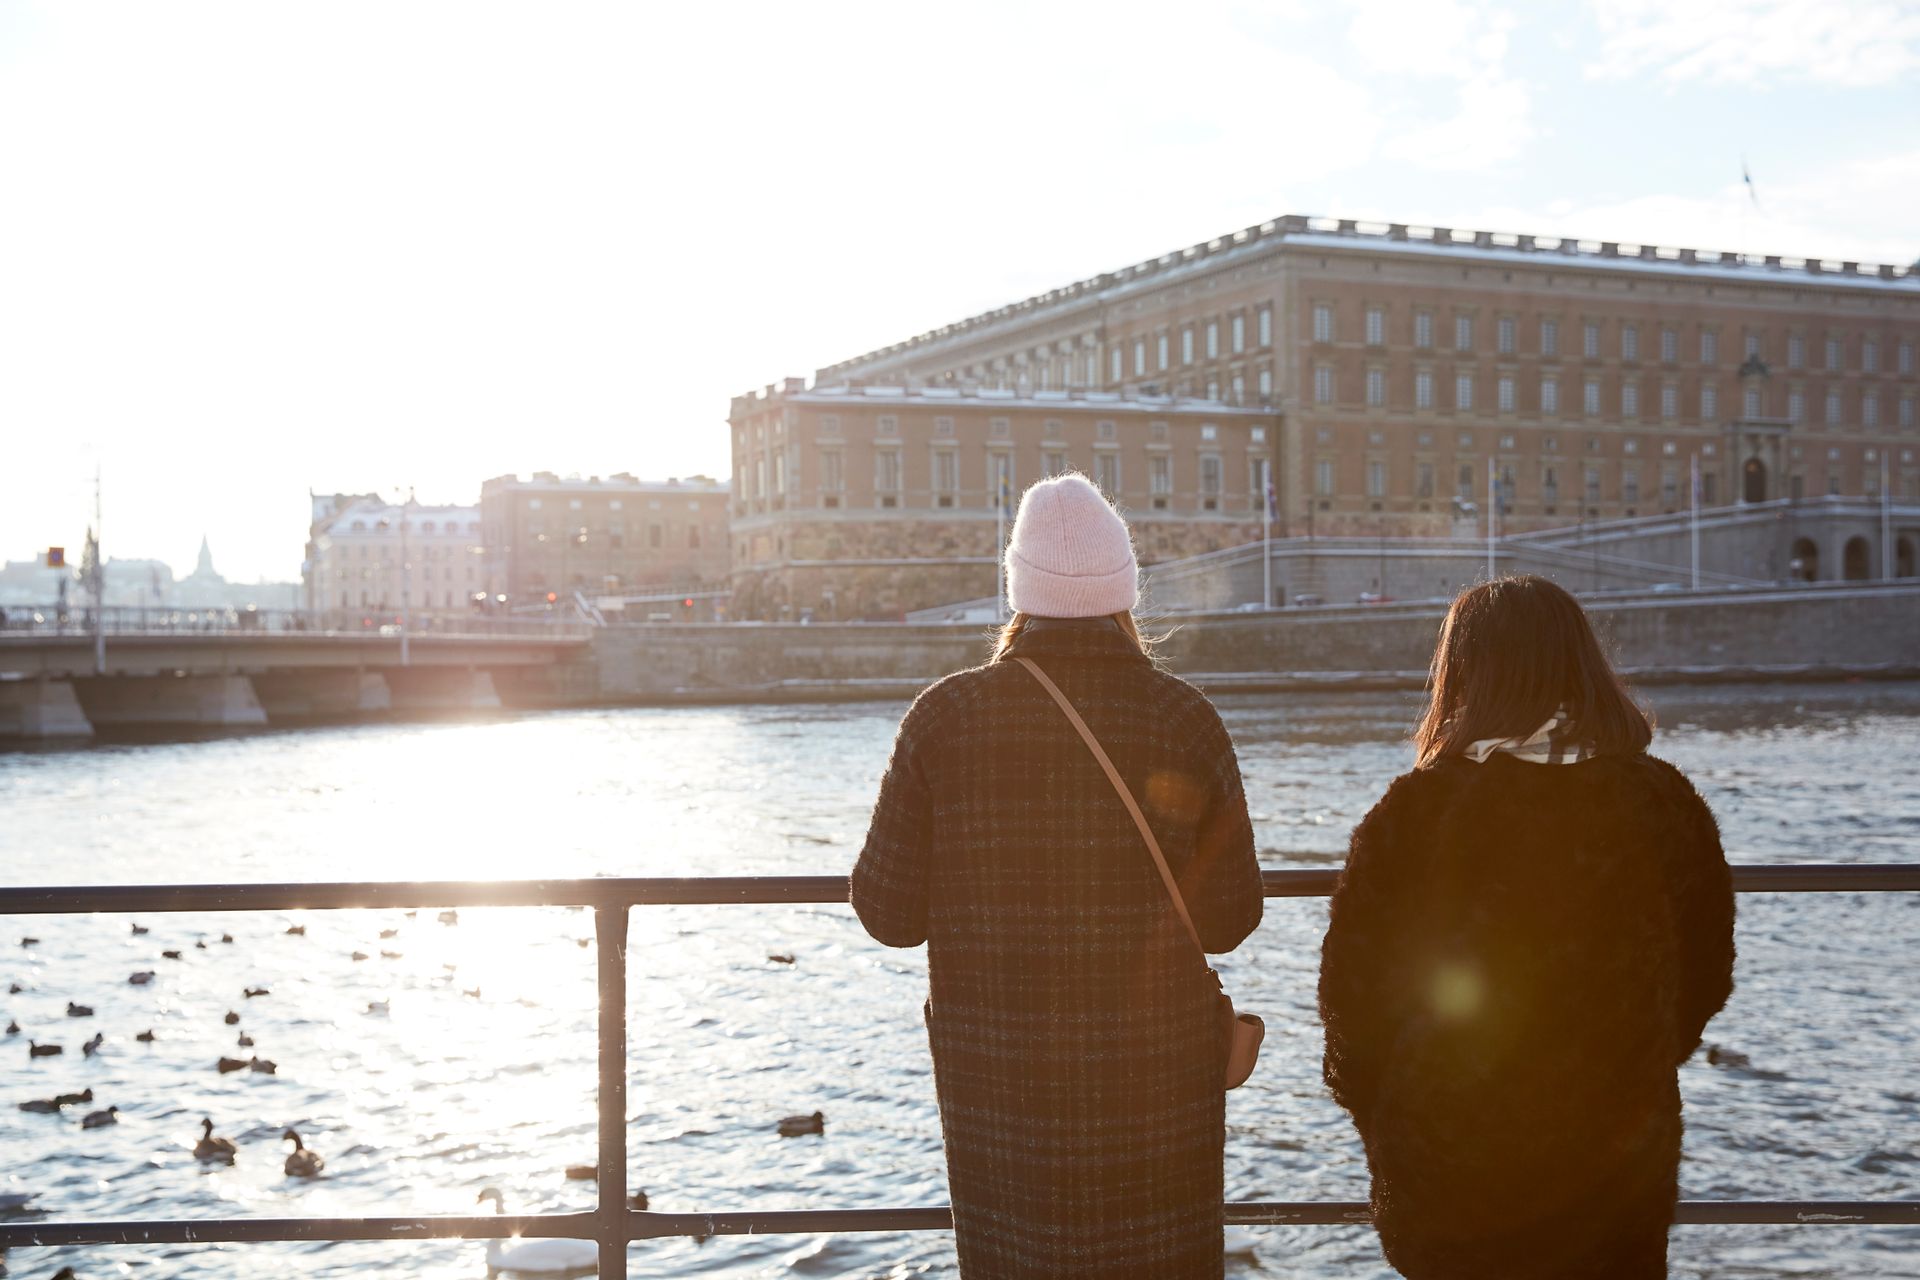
226, 937
378, 1006
800, 1126
79, 1010
199, 946
92, 1046
210, 1148
251, 992
263, 1066
38, 1050
583, 942
13, 1028
780, 957
583, 1172
389, 933
246, 1041
100, 1119
14, 988
228, 1065
471, 991
296, 931
29, 942
73, 1099
640, 1200
534, 1256
302, 1163
232, 1018
65, 1273
390, 955
139, 929
359, 955
40, 1106
449, 917
169, 955
141, 978
1727, 1057
145, 1037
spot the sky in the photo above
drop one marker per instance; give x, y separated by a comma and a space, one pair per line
249, 250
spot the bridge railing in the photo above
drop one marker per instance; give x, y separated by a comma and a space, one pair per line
132, 620
612, 1225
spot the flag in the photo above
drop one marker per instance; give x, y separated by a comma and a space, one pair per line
1747, 178
1005, 492
1269, 498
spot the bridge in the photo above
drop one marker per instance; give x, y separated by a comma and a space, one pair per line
66, 674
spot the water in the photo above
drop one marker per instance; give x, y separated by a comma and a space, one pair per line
418, 1108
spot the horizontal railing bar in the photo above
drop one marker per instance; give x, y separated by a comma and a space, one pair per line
1806, 877
655, 1226
36, 1234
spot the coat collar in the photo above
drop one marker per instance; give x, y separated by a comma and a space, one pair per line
1098, 638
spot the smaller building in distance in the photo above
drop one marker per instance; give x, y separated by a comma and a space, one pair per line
611, 538
376, 560
867, 502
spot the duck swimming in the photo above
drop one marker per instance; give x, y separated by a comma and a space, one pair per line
210, 1148
43, 1050
93, 1046
800, 1126
302, 1163
229, 1065
141, 978
101, 1119
79, 1010
145, 1037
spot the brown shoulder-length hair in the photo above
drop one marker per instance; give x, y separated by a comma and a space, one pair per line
1018, 623
1512, 652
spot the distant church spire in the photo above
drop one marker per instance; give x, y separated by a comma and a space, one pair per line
204, 569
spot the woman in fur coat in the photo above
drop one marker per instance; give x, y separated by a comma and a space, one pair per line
1532, 929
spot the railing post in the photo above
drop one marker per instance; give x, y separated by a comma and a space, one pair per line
610, 934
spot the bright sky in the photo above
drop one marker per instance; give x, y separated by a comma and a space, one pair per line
247, 249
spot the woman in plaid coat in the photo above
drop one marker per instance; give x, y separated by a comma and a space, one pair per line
1077, 1047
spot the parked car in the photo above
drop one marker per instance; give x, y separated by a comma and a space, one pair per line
1306, 599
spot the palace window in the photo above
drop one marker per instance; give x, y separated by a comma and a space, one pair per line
1186, 345
886, 472
1161, 344
1796, 406
1054, 462
1322, 384
1106, 472
1000, 427
1833, 408
1239, 329
832, 478
1549, 394
1870, 410
1114, 364
1905, 357
1463, 483
1549, 337
1590, 340
1709, 403
1590, 398
1376, 387
1377, 327
1503, 335
887, 425
1423, 480
1160, 475
1751, 404
1423, 389
1505, 392
1139, 356
1210, 481
1833, 355
1213, 339
1870, 356
1629, 399
1752, 346
1423, 330
1376, 479
1106, 429
1264, 318
1323, 477
946, 471
1266, 385
1906, 412
1709, 347
1463, 333
1629, 342
1463, 392
943, 426
1669, 345
1796, 351
1669, 401
1630, 485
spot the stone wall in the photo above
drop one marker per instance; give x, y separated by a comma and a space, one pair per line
1809, 632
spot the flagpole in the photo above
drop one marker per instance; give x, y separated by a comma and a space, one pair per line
1493, 505
1266, 540
1886, 522
1000, 550
1693, 530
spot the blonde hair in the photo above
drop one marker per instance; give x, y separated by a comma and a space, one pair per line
1018, 623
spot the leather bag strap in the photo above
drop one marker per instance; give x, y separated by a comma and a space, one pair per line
1126, 797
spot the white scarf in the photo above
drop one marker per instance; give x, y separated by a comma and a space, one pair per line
1551, 743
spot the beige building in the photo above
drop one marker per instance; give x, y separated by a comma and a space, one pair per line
374, 559
1400, 368
866, 502
615, 536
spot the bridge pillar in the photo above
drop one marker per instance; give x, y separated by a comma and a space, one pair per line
170, 701
320, 694
37, 709
441, 689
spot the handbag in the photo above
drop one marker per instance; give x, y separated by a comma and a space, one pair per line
1242, 1032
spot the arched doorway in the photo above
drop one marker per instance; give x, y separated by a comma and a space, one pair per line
1854, 561
1903, 557
1753, 481
1806, 560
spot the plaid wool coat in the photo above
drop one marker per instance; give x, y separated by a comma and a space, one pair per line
1076, 1044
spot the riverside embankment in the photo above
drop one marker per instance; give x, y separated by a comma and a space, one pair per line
1838, 632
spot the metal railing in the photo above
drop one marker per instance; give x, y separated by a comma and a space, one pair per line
612, 1225
148, 620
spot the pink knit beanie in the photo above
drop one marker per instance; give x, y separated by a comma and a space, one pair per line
1070, 556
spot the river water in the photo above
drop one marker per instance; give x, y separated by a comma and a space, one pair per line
474, 1066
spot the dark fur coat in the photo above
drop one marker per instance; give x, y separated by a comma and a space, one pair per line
1519, 958
1076, 1046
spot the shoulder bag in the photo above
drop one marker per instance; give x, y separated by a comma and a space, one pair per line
1242, 1032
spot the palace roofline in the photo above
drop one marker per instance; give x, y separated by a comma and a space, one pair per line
990, 398
1407, 239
